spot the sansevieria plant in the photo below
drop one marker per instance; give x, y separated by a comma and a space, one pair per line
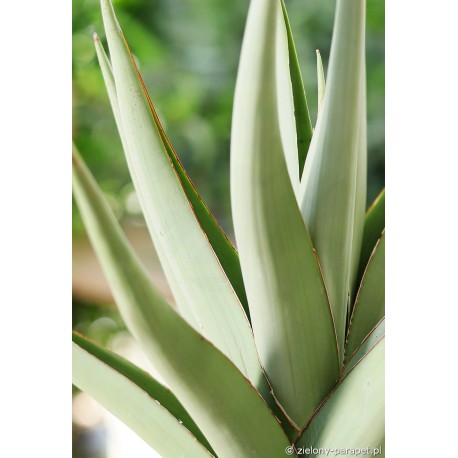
278, 348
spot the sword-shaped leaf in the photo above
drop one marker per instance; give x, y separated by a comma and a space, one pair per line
353, 416
203, 293
374, 224
227, 255
290, 313
136, 398
321, 79
304, 130
369, 307
333, 188
366, 345
224, 404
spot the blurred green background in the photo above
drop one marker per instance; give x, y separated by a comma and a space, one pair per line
188, 54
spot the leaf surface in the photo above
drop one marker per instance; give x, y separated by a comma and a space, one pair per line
290, 313
333, 186
365, 346
374, 224
353, 416
200, 286
224, 404
369, 307
321, 80
304, 128
137, 399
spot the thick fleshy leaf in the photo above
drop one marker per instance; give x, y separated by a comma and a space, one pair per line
142, 380
360, 200
374, 224
289, 308
369, 307
321, 79
203, 293
353, 416
366, 345
224, 404
304, 130
141, 406
333, 186
227, 255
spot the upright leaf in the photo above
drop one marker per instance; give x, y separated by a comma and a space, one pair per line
133, 405
227, 255
321, 80
374, 224
290, 312
333, 182
372, 339
304, 128
223, 403
369, 307
353, 416
203, 293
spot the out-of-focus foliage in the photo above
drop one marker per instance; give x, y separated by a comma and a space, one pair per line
188, 54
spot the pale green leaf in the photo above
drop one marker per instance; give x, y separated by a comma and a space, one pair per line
137, 407
366, 345
374, 224
369, 307
333, 186
227, 255
321, 79
202, 291
361, 192
354, 415
304, 129
290, 312
223, 403
142, 380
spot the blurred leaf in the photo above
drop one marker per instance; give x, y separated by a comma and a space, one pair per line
290, 312
301, 112
333, 188
369, 306
200, 286
223, 403
104, 364
353, 416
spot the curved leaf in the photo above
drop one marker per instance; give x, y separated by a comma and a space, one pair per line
202, 291
227, 255
333, 189
223, 403
134, 405
369, 307
143, 380
304, 128
353, 416
289, 308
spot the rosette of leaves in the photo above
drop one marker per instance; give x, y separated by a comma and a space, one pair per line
277, 346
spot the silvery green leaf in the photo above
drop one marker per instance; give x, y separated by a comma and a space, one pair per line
353, 416
201, 288
333, 186
228, 410
290, 313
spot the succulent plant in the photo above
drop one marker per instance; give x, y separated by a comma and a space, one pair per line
278, 348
